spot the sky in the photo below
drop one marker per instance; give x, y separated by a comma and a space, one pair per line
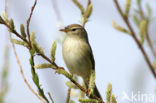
117, 57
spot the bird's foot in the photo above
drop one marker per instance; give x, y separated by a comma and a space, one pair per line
89, 92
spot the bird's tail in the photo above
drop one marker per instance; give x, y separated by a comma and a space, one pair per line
96, 92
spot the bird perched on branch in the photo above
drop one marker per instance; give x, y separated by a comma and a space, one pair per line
77, 53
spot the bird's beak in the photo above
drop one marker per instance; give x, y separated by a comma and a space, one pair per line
63, 30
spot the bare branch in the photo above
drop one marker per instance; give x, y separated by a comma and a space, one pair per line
50, 97
135, 38
23, 76
68, 95
28, 21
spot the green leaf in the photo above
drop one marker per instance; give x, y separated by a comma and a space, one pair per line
12, 26
142, 30
127, 7
92, 82
154, 64
5, 71
63, 72
22, 29
32, 37
71, 85
89, 11
119, 28
35, 46
109, 93
88, 100
4, 16
136, 20
53, 50
15, 41
35, 79
149, 10
113, 99
44, 65
79, 6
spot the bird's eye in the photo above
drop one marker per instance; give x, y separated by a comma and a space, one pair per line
73, 29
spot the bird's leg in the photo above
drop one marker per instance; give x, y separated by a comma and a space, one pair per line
91, 83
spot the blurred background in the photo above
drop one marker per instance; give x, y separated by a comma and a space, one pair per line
118, 58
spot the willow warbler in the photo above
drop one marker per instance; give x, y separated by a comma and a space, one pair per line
77, 53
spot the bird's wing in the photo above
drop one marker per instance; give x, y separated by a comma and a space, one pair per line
91, 57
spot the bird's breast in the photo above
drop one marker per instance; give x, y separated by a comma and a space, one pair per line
74, 54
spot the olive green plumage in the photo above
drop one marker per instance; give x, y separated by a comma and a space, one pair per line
77, 53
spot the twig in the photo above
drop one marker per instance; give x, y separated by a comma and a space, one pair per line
68, 95
46, 58
15, 32
135, 38
23, 76
50, 97
36, 80
79, 86
28, 21
84, 21
147, 33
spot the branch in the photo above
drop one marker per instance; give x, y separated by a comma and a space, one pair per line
23, 76
35, 48
147, 33
68, 95
135, 38
50, 97
85, 13
69, 76
28, 21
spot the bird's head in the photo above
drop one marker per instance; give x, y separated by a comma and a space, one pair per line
75, 30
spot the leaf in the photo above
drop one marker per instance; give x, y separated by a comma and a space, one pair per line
12, 26
5, 71
79, 6
142, 30
109, 92
35, 79
4, 16
119, 28
89, 11
136, 20
22, 29
92, 82
32, 37
44, 65
154, 64
127, 7
15, 41
53, 50
113, 99
149, 10
71, 85
35, 46
63, 72
88, 100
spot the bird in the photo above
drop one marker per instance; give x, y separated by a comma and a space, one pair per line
77, 54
